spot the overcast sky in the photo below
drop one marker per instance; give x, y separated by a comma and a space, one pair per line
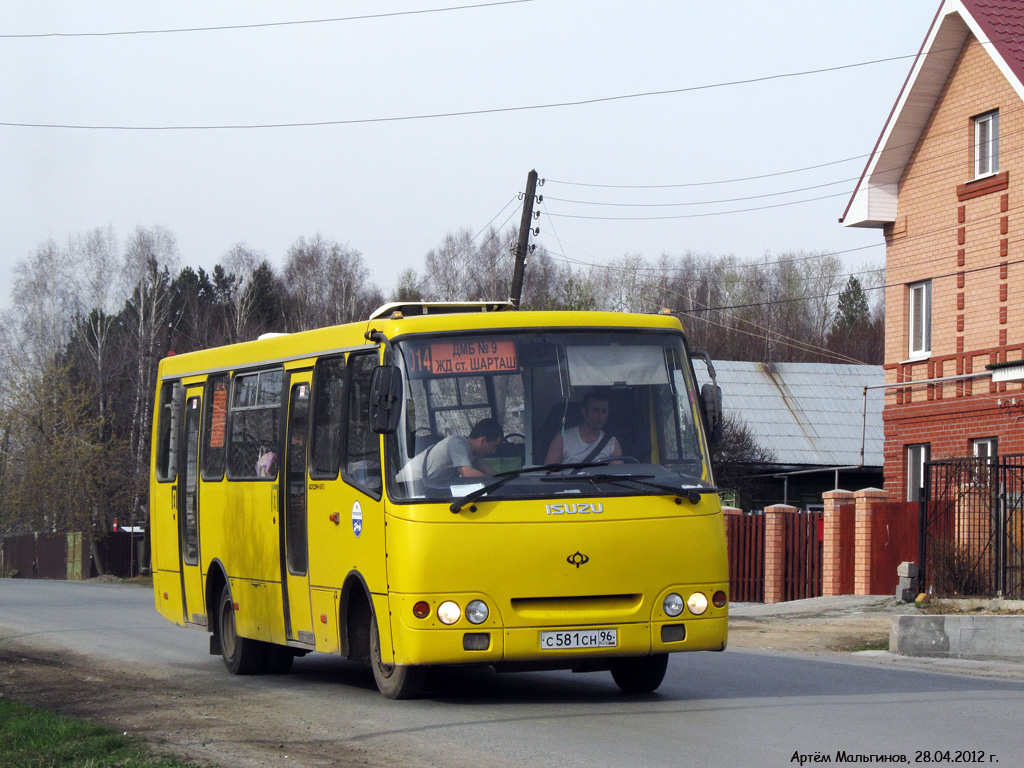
391, 188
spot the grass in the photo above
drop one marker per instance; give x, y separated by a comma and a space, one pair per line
37, 738
881, 644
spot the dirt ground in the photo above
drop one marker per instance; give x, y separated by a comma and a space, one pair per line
841, 632
223, 728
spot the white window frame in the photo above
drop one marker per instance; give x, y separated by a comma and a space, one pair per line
920, 335
986, 144
985, 447
917, 455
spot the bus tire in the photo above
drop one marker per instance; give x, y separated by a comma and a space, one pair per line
393, 681
241, 655
640, 675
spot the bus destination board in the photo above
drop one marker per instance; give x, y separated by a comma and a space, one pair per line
447, 358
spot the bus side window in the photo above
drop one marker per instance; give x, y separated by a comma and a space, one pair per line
328, 409
255, 419
171, 395
362, 446
215, 427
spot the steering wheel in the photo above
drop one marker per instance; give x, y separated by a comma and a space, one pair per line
521, 438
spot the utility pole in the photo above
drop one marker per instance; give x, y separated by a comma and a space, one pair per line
524, 240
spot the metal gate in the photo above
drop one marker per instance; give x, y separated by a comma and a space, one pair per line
972, 527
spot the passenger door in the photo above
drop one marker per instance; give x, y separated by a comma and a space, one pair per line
188, 513
298, 613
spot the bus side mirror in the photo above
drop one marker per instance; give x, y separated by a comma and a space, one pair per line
711, 399
385, 399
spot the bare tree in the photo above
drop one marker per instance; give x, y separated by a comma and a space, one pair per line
96, 258
327, 284
240, 265
45, 301
150, 257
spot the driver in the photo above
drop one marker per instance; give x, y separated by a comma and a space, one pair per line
457, 456
588, 442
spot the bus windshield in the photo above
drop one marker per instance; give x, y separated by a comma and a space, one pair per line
588, 413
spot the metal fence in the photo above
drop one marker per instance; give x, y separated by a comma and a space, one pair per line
972, 527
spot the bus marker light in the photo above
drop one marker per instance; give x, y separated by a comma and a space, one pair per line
335, 518
323, 618
449, 612
719, 599
421, 610
166, 597
235, 606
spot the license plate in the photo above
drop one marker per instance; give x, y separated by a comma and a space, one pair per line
578, 638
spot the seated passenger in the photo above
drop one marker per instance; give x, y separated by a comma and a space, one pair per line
456, 456
587, 442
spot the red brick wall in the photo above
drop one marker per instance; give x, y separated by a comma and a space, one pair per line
968, 239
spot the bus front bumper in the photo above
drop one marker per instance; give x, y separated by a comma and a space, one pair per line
493, 645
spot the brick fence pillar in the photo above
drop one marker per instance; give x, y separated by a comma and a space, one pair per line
865, 500
728, 512
774, 551
831, 556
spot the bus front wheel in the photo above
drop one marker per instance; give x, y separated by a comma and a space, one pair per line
242, 656
393, 681
640, 675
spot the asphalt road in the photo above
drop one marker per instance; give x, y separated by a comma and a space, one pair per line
738, 708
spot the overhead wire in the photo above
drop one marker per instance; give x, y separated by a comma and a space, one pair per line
257, 25
462, 113
429, 277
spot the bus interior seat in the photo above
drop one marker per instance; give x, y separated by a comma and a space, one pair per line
552, 425
422, 442
509, 456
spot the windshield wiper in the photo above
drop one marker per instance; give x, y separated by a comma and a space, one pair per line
505, 477
692, 493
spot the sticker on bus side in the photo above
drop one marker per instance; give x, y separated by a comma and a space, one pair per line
357, 518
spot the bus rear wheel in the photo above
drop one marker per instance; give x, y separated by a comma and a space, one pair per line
393, 681
242, 656
640, 675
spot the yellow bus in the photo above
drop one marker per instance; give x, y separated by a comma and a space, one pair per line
443, 485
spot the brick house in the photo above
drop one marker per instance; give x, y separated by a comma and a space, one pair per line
945, 183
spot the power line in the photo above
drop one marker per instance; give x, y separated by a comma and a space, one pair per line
458, 113
707, 183
703, 202
700, 215
262, 25
681, 185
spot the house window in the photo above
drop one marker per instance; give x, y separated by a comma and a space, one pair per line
985, 447
920, 319
917, 455
986, 144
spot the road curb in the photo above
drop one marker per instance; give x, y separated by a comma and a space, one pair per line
988, 638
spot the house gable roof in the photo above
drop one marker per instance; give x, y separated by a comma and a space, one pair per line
999, 26
808, 414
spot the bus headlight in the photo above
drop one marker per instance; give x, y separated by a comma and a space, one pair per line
697, 603
673, 604
477, 612
449, 612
